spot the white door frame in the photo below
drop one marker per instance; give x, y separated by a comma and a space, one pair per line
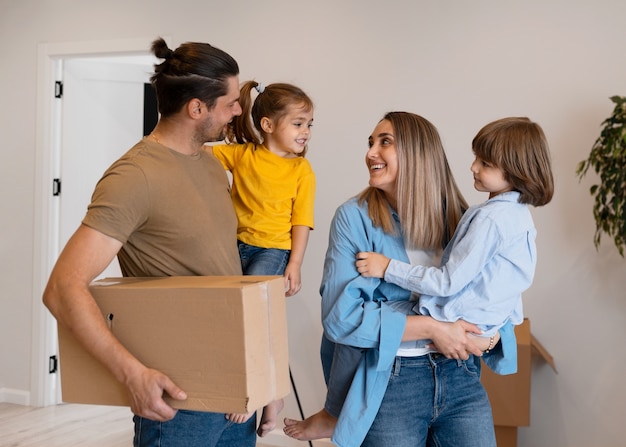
44, 389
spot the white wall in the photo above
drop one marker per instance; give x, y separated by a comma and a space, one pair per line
460, 64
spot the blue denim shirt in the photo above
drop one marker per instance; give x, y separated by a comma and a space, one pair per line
485, 268
370, 313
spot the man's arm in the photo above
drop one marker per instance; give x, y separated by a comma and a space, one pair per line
67, 296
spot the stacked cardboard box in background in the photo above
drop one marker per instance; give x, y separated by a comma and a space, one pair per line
221, 339
510, 395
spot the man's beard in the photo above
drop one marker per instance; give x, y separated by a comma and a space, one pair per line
208, 132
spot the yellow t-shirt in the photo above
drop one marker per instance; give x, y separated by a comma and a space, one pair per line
270, 193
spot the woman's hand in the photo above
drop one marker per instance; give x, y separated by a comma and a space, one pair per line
458, 340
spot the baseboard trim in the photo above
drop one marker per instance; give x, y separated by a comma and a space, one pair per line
11, 396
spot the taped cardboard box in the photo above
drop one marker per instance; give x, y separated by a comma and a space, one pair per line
221, 339
510, 395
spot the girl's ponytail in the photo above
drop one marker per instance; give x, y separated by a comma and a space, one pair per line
242, 128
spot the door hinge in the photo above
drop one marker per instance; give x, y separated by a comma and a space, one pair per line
53, 364
56, 187
58, 89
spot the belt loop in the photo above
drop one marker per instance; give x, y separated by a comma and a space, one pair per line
396, 366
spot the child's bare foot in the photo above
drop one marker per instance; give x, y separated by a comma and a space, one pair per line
320, 425
269, 417
239, 418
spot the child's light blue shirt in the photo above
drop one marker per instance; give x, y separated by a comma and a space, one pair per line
485, 268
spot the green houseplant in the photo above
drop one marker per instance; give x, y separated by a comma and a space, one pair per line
608, 160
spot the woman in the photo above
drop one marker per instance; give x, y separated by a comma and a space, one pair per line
405, 390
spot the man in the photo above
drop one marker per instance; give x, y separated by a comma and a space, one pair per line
164, 209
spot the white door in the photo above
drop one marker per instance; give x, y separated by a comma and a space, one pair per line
102, 110
77, 138
102, 118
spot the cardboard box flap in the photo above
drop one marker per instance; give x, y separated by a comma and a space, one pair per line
538, 350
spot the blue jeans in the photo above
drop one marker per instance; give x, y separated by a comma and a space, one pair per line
262, 261
194, 429
430, 400
436, 402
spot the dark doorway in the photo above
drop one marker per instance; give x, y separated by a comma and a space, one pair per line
150, 109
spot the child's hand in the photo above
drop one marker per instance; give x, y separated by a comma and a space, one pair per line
292, 277
371, 264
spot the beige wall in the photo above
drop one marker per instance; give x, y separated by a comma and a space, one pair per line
458, 63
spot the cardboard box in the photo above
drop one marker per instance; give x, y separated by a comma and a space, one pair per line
221, 339
510, 395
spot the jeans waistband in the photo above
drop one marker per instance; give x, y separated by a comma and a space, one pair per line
430, 359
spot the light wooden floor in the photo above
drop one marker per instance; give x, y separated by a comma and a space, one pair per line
65, 425
70, 425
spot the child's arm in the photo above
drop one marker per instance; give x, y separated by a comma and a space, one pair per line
299, 241
372, 264
224, 153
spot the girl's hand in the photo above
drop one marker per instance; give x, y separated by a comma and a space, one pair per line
293, 282
372, 265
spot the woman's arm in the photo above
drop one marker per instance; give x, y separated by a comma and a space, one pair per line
355, 309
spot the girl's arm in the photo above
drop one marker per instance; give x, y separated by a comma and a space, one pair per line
225, 153
299, 241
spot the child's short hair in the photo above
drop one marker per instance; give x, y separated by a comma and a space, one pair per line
519, 147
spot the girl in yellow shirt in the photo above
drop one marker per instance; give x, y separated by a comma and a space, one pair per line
273, 190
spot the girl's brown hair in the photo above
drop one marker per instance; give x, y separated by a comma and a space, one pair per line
271, 102
519, 147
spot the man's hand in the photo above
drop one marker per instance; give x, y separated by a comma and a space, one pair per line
146, 394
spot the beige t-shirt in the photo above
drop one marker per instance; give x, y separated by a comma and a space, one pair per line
172, 213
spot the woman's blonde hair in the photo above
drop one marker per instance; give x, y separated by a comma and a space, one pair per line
429, 203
